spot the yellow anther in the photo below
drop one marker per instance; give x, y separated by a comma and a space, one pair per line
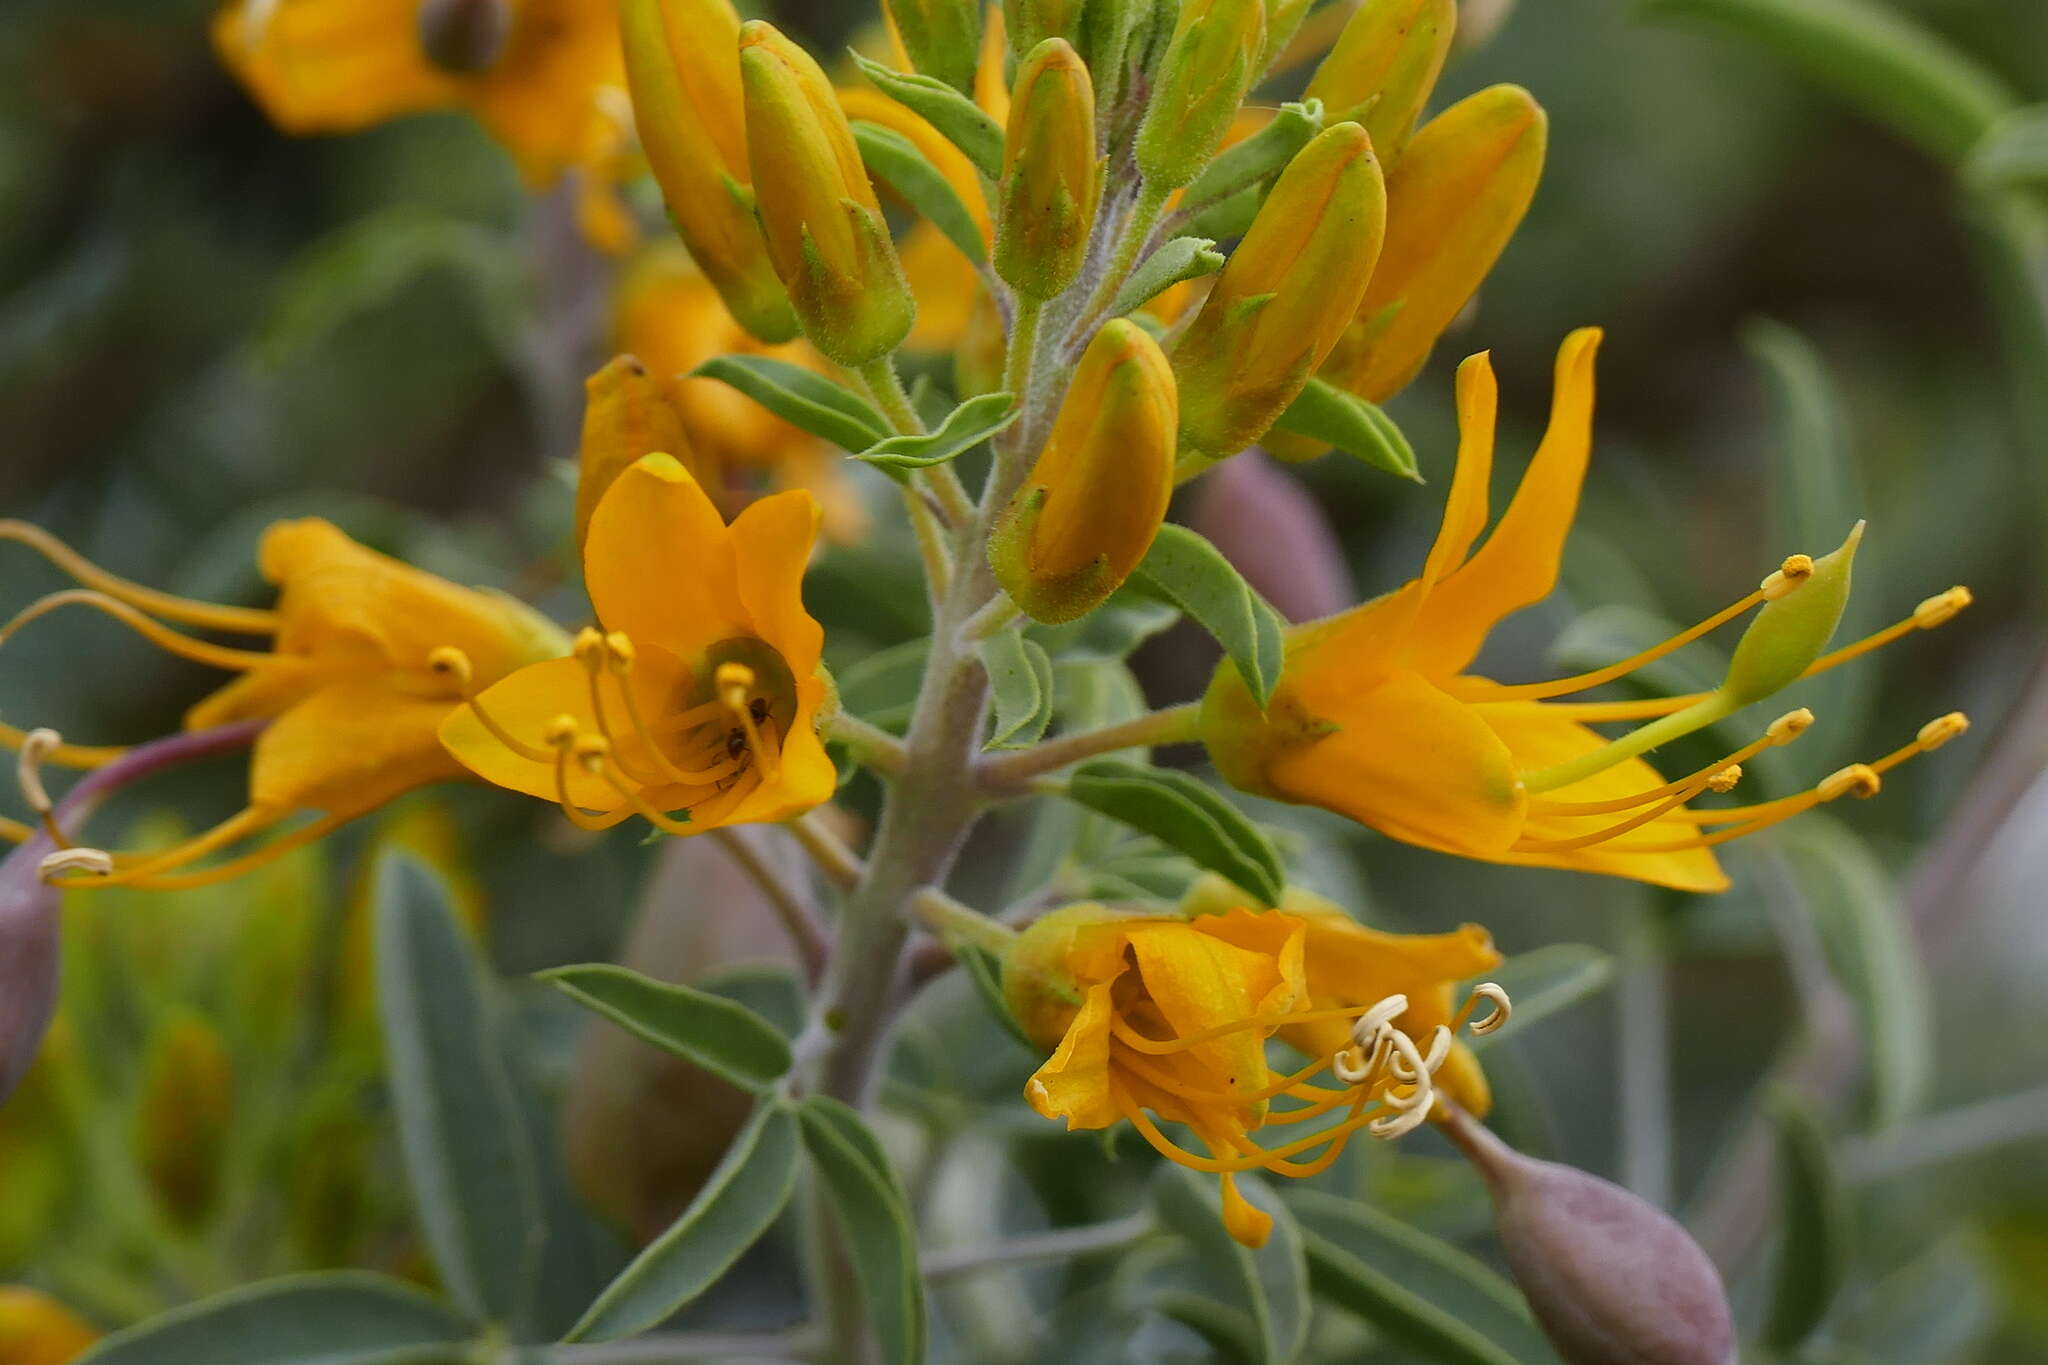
1859, 780
452, 664
619, 651
733, 677
561, 730
1725, 780
95, 862
591, 750
1941, 608
590, 647
35, 747
1789, 726
1791, 574
1942, 729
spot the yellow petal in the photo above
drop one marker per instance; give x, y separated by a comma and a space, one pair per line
1074, 1082
540, 99
1353, 964
627, 413
1198, 981
348, 748
771, 544
256, 694
331, 66
659, 561
1518, 564
1466, 509
1246, 1223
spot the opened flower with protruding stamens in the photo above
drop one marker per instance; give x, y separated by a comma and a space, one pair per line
1376, 716
695, 703
349, 688
1151, 1018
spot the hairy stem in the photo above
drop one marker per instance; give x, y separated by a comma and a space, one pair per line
1012, 774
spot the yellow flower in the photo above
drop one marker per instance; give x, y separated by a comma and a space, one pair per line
1170, 1017
1377, 718
701, 691
37, 1330
533, 77
367, 655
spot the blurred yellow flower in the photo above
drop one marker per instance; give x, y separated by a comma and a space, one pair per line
37, 1330
1172, 1015
700, 694
351, 691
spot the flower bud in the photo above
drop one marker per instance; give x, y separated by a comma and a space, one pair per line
627, 413
941, 37
825, 229
1283, 17
29, 948
1612, 1280
183, 1118
1093, 503
1031, 22
1052, 178
1291, 287
464, 36
1210, 64
1038, 983
683, 69
1454, 198
1388, 57
35, 1329
1793, 628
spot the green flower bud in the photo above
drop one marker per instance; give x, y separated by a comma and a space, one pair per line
1807, 600
943, 37
1052, 178
1209, 66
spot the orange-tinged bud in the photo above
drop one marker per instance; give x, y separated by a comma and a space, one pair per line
1283, 17
1390, 55
464, 36
1052, 178
1282, 302
941, 37
1453, 200
683, 69
627, 413
1209, 66
183, 1119
1096, 498
826, 234
1038, 980
35, 1329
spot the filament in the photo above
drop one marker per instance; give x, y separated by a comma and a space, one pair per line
1784, 730
220, 872
135, 870
66, 755
157, 633
562, 735
206, 615
1163, 1047
452, 664
1256, 1156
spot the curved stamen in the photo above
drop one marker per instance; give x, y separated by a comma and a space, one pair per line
452, 664
205, 615
96, 863
66, 755
1619, 828
1160, 1047
150, 629
1494, 994
1783, 730
220, 872
147, 868
562, 737
1255, 1159
733, 683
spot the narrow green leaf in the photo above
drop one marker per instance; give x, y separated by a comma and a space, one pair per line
1259, 157
2014, 154
1268, 1285
800, 397
717, 1034
871, 1207
738, 1203
985, 970
1185, 814
459, 1126
896, 159
1423, 1293
1187, 571
1896, 71
959, 119
1020, 675
965, 428
1183, 258
1814, 1253
1857, 912
346, 1318
1327, 413
1543, 982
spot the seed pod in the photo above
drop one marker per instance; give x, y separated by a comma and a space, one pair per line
29, 949
1093, 503
942, 37
1388, 57
1793, 628
825, 230
35, 1329
1612, 1280
682, 66
464, 36
1209, 66
1052, 178
1291, 287
183, 1120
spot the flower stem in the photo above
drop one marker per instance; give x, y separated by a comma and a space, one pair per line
1137, 230
799, 920
838, 862
990, 620
1057, 1245
1012, 774
872, 746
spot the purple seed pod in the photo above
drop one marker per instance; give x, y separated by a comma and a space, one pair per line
1612, 1279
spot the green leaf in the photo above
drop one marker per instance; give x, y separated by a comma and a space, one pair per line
1109, 633
1189, 572
897, 160
801, 398
985, 970
737, 1204
459, 1126
1545, 981
1268, 1285
869, 1202
1020, 674
1857, 912
1814, 1254
723, 1037
1898, 72
882, 687
1327, 413
1183, 258
966, 427
959, 119
2014, 154
1259, 157
1228, 218
1423, 1293
346, 1318
1184, 814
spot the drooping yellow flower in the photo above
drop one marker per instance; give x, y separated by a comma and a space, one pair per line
1376, 716
350, 694
532, 72
1168, 1018
696, 701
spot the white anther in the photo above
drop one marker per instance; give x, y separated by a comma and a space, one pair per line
1397, 1125
96, 861
1439, 1049
1367, 1030
36, 746
1407, 1065
1502, 1007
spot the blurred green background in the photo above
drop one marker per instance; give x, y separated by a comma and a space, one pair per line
205, 325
